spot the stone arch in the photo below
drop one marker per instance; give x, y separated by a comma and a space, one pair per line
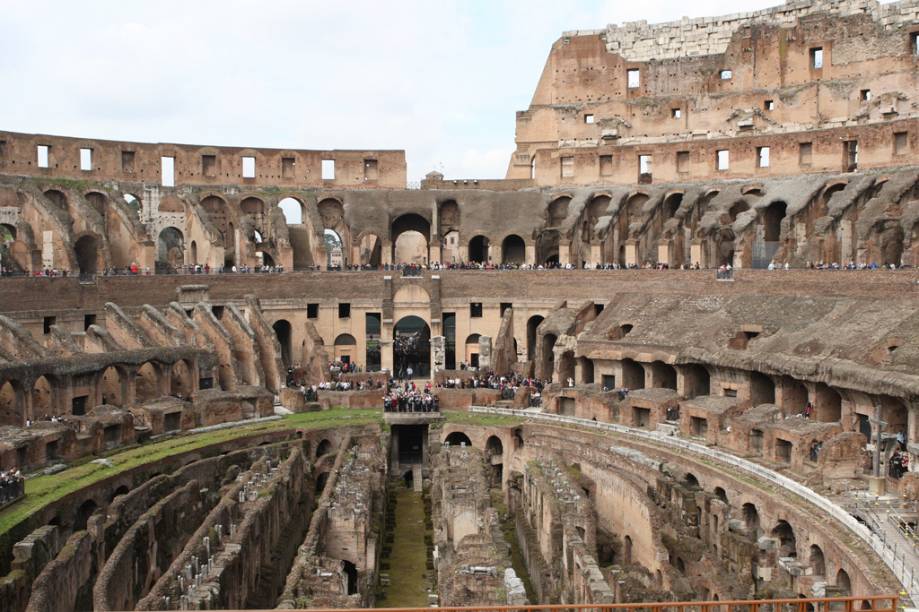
42, 398
293, 210
532, 325
547, 243
671, 205
448, 216
478, 249
253, 206
181, 380
86, 250
721, 495
737, 208
755, 190
57, 198
788, 544
557, 211
494, 447
817, 561
412, 346
696, 380
193, 253
633, 374
283, 332
457, 438
146, 383
772, 220
663, 375
110, 387
762, 389
9, 402
84, 511
170, 249
827, 195
585, 371
217, 211
843, 583
827, 404
334, 247
97, 201
750, 517
345, 347
634, 205
513, 250
412, 248
323, 448
566, 367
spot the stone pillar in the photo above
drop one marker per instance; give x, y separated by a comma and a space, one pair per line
438, 353
434, 253
494, 253
663, 252
530, 254
463, 251
485, 353
386, 253
356, 254
596, 254
563, 253
695, 253
47, 249
631, 252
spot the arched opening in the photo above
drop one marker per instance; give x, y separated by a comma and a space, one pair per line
828, 408
532, 325
81, 518
478, 249
180, 380
566, 369
282, 330
58, 199
696, 380
750, 518
333, 245
345, 347
691, 482
350, 577
817, 562
762, 389
627, 550
843, 583
788, 546
253, 207
7, 238
494, 447
557, 211
448, 216
633, 374
671, 205
111, 387
737, 208
412, 347
42, 406
471, 352
321, 481
663, 375
86, 250
794, 396
547, 247
9, 414
450, 249
122, 490
216, 208
410, 234
170, 250
370, 249
292, 209
193, 253
513, 250
585, 369
772, 221
323, 448
146, 383
96, 201
457, 438
721, 495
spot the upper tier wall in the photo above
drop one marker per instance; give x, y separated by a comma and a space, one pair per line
199, 164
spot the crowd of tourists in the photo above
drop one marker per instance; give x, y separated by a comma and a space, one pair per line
407, 396
12, 486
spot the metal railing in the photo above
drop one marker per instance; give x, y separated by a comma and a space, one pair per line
905, 573
876, 603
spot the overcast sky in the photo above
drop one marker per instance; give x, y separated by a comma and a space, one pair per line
441, 79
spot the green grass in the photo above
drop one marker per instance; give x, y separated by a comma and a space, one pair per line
44, 490
487, 420
408, 574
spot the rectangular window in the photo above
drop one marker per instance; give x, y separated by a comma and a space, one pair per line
726, 75
344, 311
127, 162
47, 323
865, 95
914, 43
312, 311
288, 165
248, 167
608, 381
644, 168
505, 306
723, 159
371, 170
762, 157
167, 171
817, 58
805, 153
676, 113
88, 320
633, 77
682, 162
44, 154
850, 151
475, 310
900, 143
86, 160
567, 165
606, 165
209, 165
328, 169
588, 118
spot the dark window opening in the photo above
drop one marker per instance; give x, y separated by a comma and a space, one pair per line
47, 323
218, 311
78, 405
475, 310
344, 311
505, 306
816, 54
209, 165
312, 311
288, 166
88, 320
127, 162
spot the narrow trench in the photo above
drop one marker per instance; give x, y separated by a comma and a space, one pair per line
508, 528
406, 570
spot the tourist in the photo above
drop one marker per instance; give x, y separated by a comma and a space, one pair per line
808, 410
12, 485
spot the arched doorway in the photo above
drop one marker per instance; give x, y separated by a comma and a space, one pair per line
170, 251
458, 438
478, 249
334, 249
532, 325
216, 208
42, 406
87, 253
412, 347
146, 384
471, 353
547, 247
180, 381
557, 211
513, 250
414, 246
111, 387
345, 347
292, 210
788, 546
9, 413
282, 330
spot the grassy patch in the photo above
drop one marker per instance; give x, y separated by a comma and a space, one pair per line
474, 418
43, 490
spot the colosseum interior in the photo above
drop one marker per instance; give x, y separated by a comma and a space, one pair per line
671, 357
